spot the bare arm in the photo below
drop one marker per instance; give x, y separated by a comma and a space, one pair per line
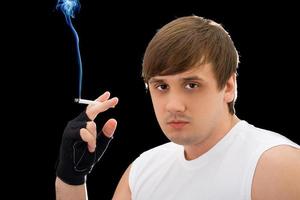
69, 192
122, 191
277, 175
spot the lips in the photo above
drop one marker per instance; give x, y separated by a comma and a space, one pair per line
177, 124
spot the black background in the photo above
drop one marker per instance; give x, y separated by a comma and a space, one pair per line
42, 79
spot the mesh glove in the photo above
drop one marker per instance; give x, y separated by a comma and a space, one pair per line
75, 160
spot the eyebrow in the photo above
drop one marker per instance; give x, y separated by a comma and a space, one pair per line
189, 78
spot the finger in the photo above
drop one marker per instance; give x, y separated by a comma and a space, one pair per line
92, 128
105, 96
89, 139
109, 127
94, 110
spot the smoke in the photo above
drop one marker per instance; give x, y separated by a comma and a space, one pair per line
69, 8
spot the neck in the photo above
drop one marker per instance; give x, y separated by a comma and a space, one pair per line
195, 150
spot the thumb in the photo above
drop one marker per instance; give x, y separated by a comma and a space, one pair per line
109, 127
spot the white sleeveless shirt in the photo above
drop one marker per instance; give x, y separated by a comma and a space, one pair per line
225, 172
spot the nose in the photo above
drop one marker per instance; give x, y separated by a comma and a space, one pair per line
175, 104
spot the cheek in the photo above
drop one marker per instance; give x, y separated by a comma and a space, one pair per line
157, 106
205, 104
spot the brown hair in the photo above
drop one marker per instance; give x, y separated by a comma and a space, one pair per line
188, 42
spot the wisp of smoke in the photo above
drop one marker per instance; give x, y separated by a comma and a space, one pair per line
69, 8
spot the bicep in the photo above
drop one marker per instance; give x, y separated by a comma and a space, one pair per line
122, 191
277, 174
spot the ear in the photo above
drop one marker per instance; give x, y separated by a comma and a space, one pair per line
230, 89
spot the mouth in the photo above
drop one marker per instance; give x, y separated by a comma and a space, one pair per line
177, 124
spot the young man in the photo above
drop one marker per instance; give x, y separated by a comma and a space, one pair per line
190, 69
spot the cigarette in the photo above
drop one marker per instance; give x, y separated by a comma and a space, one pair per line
86, 101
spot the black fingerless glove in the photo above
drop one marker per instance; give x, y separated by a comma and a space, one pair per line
75, 160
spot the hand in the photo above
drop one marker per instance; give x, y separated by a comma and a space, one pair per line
81, 146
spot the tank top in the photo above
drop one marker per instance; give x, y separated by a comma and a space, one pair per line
224, 172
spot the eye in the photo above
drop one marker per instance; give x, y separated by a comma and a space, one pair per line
162, 87
191, 86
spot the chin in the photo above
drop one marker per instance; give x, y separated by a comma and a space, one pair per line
180, 139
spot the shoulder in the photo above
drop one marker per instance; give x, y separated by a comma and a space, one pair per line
259, 134
259, 140
152, 163
277, 174
123, 191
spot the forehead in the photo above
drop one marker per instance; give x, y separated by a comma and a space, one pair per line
202, 72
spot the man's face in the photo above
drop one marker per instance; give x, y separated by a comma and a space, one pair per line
189, 106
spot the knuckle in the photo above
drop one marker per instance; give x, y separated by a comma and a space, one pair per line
89, 125
82, 131
93, 125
